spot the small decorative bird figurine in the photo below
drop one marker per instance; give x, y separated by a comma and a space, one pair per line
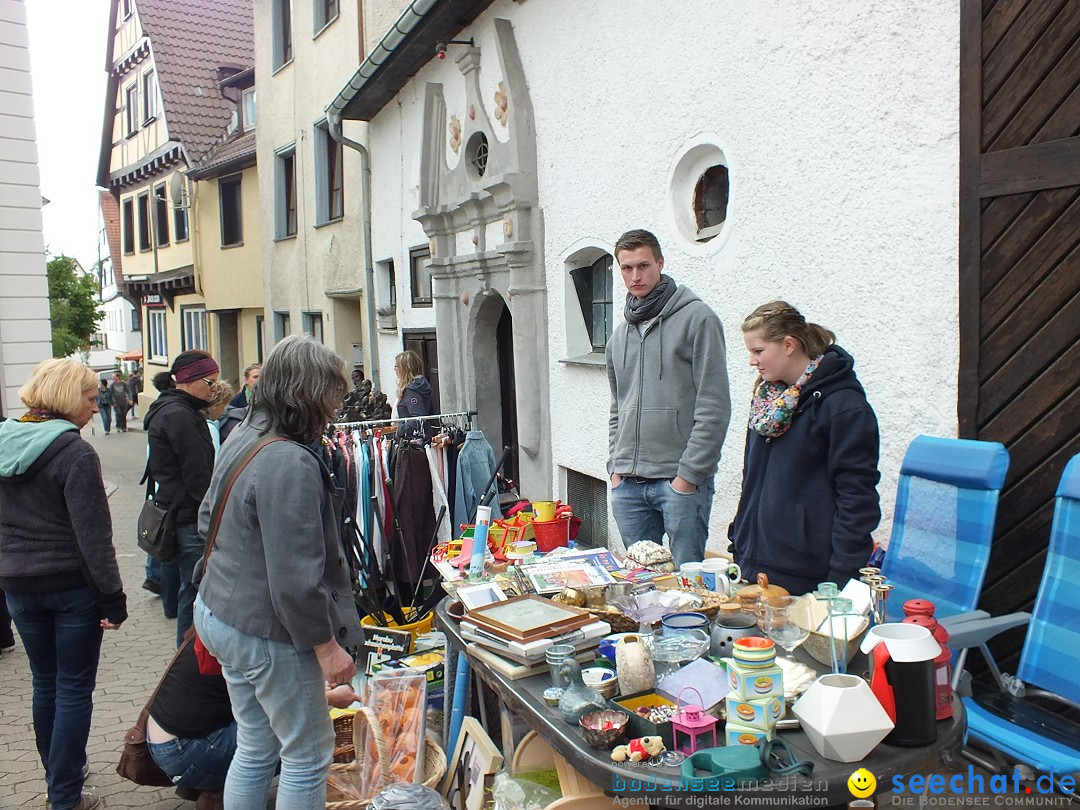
577, 699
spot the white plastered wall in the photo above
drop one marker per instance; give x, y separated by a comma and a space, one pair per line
839, 125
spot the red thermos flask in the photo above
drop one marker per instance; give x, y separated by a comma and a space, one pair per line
921, 612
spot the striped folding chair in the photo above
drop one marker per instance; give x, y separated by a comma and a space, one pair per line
1006, 721
946, 504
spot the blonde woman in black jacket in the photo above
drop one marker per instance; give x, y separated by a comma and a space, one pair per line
58, 565
810, 469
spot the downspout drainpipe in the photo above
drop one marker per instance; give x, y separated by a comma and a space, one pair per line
333, 125
410, 17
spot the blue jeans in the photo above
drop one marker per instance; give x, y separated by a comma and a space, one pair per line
61, 632
153, 570
176, 578
280, 709
105, 411
646, 511
199, 764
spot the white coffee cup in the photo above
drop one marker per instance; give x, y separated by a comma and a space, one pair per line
720, 574
691, 575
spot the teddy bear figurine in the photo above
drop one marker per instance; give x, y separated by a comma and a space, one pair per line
638, 749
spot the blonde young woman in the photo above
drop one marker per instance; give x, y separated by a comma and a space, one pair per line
413, 389
58, 565
809, 497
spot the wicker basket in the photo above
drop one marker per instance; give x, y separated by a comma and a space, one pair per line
344, 748
434, 763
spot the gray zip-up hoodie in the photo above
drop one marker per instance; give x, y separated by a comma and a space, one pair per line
670, 402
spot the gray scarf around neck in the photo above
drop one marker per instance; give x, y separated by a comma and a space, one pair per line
647, 308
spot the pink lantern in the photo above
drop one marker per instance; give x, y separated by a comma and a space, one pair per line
694, 723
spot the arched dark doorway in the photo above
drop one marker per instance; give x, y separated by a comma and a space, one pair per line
496, 388
504, 340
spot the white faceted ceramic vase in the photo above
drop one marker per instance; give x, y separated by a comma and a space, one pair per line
842, 718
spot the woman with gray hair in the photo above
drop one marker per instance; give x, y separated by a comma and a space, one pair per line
275, 603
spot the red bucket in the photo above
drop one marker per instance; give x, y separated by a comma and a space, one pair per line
551, 534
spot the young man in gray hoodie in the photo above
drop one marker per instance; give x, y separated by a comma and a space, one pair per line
670, 405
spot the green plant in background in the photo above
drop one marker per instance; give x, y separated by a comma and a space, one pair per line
73, 306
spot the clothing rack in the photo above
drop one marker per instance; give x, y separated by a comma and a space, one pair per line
375, 422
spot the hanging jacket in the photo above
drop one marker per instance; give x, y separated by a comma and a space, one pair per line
670, 403
181, 452
475, 466
809, 497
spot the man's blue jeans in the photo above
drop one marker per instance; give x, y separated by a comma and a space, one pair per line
176, 577
199, 764
280, 709
61, 632
648, 510
105, 411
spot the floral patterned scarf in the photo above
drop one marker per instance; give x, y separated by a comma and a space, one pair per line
773, 405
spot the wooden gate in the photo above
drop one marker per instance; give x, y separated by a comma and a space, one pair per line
1020, 267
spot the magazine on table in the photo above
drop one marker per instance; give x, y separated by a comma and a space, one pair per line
554, 576
600, 557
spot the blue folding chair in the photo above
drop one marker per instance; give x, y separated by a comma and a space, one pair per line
946, 504
1004, 721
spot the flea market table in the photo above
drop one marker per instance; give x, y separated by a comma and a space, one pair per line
644, 785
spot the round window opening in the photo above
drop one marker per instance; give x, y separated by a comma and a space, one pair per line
710, 202
476, 152
700, 196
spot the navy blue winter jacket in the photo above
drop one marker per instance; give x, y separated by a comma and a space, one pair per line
809, 497
416, 399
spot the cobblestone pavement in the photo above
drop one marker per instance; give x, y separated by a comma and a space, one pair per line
132, 659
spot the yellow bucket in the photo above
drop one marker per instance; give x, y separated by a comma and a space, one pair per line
415, 628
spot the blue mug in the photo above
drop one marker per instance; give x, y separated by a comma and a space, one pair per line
675, 623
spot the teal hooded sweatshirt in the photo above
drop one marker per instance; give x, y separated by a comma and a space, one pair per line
22, 443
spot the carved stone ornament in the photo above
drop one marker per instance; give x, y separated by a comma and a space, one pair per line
455, 134
501, 105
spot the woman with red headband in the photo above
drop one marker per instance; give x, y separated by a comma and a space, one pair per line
180, 464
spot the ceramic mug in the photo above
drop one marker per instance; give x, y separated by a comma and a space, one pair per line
543, 511
690, 573
720, 575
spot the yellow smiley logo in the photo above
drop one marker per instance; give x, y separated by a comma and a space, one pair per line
861, 783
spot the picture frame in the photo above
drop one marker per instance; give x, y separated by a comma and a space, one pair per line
472, 768
529, 618
478, 596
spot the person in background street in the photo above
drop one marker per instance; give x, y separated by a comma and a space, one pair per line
810, 468
413, 392
274, 605
670, 404
58, 565
135, 387
104, 404
251, 379
413, 389
181, 462
215, 408
121, 402
152, 582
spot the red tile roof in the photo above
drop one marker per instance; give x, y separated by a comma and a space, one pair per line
226, 157
190, 41
110, 212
